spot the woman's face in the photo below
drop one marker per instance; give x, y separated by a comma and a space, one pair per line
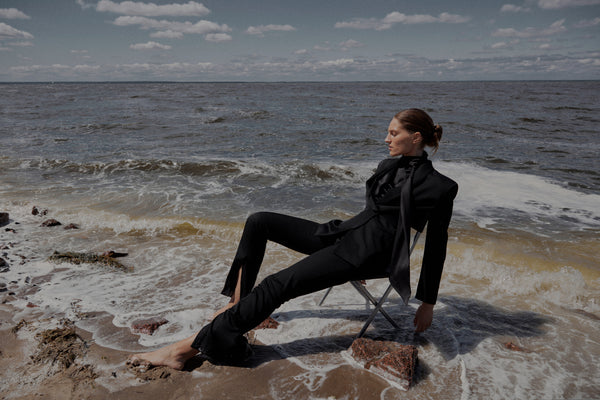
402, 142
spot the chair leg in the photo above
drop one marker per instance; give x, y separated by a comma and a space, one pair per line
378, 308
325, 296
367, 295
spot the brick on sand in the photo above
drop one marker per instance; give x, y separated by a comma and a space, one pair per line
392, 361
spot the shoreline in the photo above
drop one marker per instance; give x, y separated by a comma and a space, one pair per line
98, 372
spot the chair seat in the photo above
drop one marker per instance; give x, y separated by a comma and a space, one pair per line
360, 288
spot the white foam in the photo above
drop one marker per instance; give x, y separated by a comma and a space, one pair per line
491, 195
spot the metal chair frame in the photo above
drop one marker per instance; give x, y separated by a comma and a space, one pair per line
369, 297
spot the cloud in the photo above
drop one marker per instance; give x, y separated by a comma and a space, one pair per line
261, 29
513, 8
217, 37
586, 23
301, 52
393, 66
21, 44
168, 34
7, 31
555, 4
189, 9
555, 28
13, 13
175, 29
149, 46
350, 44
396, 17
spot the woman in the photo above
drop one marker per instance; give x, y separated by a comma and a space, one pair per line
404, 191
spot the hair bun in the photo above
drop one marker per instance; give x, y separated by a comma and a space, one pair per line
437, 131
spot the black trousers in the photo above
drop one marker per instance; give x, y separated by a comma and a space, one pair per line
223, 338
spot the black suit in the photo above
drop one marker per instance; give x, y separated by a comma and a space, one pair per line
369, 237
362, 247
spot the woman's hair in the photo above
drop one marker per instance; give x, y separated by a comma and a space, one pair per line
416, 120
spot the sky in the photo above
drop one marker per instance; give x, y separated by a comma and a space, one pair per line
298, 40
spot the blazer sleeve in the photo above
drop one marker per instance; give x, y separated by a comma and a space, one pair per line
436, 242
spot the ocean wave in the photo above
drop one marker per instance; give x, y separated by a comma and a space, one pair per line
495, 198
296, 169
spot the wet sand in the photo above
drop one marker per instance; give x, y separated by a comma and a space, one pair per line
29, 371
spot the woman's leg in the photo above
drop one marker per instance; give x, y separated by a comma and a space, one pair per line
291, 232
223, 338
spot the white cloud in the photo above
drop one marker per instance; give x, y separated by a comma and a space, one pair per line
321, 48
505, 45
189, 9
586, 23
13, 13
7, 31
555, 28
217, 37
555, 4
301, 51
261, 29
149, 46
350, 44
362, 23
396, 17
21, 44
176, 29
513, 8
168, 34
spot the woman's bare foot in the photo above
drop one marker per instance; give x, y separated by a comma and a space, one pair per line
174, 355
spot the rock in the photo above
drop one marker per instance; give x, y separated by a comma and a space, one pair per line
391, 360
147, 326
515, 347
71, 226
50, 222
36, 211
92, 258
113, 254
4, 265
268, 323
3, 218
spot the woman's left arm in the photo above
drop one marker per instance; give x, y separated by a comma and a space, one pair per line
436, 242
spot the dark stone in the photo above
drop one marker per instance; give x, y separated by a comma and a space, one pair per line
71, 226
113, 254
147, 326
3, 218
3, 265
91, 258
391, 360
50, 222
37, 211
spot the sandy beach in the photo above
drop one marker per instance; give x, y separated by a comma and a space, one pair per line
32, 366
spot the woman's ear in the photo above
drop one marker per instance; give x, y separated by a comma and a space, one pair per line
417, 138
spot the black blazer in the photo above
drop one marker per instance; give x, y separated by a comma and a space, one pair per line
369, 236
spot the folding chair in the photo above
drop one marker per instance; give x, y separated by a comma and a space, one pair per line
369, 297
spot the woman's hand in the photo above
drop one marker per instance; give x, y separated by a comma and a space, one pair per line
423, 317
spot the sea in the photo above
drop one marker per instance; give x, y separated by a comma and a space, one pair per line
168, 172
